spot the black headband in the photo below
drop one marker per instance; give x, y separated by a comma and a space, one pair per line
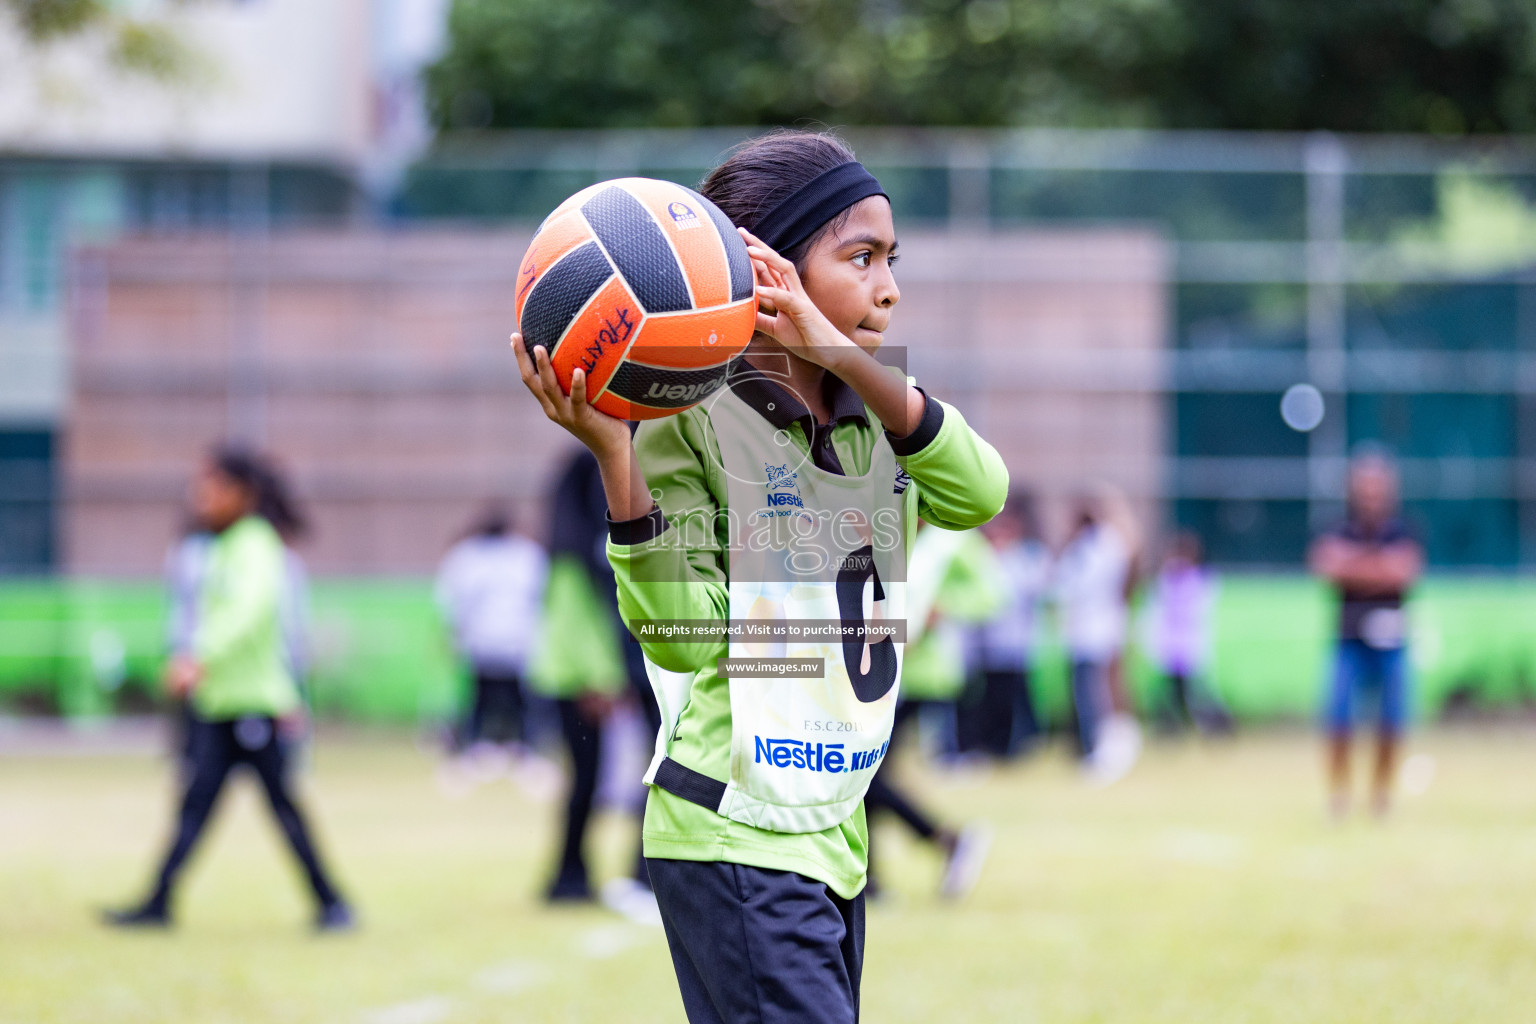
822, 198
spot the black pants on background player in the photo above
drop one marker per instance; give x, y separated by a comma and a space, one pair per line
583, 735
213, 750
995, 715
883, 795
497, 713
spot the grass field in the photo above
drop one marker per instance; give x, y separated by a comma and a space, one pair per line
1208, 886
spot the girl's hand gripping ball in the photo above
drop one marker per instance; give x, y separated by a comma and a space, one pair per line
643, 291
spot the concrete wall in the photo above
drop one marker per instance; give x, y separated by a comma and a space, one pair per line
376, 368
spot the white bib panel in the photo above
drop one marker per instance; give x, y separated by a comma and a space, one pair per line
807, 545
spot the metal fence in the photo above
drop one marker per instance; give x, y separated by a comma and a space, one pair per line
1383, 282
1379, 288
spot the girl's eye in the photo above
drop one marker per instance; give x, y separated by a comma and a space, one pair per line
862, 259
893, 259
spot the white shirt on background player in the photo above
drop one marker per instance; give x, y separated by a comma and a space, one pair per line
1090, 591
492, 589
1007, 640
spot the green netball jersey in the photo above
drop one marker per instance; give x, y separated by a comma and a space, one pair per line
947, 475
958, 571
573, 607
238, 638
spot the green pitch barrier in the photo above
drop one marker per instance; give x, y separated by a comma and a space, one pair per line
89, 648
86, 649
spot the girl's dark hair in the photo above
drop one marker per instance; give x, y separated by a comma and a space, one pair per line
241, 466
762, 172
275, 504
273, 501
494, 520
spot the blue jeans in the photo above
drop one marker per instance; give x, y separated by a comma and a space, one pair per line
1090, 701
1360, 669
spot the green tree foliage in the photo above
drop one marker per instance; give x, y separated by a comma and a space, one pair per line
139, 45
601, 63
42, 20
1403, 65
1443, 66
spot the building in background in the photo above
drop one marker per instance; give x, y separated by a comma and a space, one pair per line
285, 112
375, 364
1268, 302
1323, 291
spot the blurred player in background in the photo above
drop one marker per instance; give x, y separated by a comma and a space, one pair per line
951, 581
235, 671
186, 566
588, 661
1120, 737
1179, 621
1093, 574
1372, 560
490, 589
1002, 648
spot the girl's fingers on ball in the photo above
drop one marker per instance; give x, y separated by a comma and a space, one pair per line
543, 399
578, 388
524, 365
778, 298
530, 377
762, 254
558, 396
767, 277
546, 371
548, 382
781, 279
759, 251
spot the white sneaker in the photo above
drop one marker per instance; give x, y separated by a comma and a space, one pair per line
630, 899
963, 866
485, 762
453, 781
1117, 750
540, 779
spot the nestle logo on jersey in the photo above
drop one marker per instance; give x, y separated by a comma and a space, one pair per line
783, 490
814, 757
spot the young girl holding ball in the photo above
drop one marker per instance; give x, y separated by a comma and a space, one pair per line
754, 826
